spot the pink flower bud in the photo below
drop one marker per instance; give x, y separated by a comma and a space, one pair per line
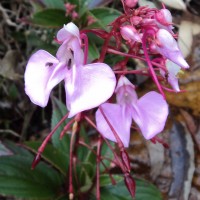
135, 20
129, 33
131, 3
164, 17
168, 47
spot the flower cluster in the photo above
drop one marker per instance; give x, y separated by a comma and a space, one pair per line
148, 35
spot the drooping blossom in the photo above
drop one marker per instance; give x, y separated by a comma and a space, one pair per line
86, 85
149, 112
172, 77
167, 46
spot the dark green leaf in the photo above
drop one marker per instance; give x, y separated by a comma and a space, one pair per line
105, 179
50, 18
144, 191
19, 180
54, 4
103, 17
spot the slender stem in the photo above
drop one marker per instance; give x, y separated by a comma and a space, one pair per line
66, 128
85, 38
111, 148
71, 189
98, 159
144, 39
46, 140
114, 51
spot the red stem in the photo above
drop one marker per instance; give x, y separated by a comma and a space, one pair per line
46, 140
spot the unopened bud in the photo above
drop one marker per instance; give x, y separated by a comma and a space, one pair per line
130, 184
131, 3
129, 33
164, 17
168, 47
135, 20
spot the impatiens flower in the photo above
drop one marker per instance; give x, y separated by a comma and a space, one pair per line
168, 47
172, 76
130, 34
87, 86
149, 113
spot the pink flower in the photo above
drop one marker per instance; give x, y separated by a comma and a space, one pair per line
167, 46
149, 113
87, 86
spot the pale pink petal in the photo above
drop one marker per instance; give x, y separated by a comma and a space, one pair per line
43, 72
88, 86
150, 114
70, 51
125, 92
173, 70
68, 32
168, 47
119, 118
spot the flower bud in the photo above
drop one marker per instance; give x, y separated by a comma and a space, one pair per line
168, 47
135, 20
129, 33
164, 17
130, 184
131, 3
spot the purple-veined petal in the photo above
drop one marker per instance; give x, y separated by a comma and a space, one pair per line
68, 32
150, 114
119, 118
43, 72
88, 86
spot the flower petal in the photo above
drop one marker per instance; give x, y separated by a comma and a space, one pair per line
68, 32
43, 72
168, 47
120, 120
89, 86
150, 114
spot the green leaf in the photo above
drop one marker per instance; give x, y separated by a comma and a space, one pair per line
54, 4
52, 155
105, 179
17, 149
103, 17
144, 191
50, 18
59, 111
19, 180
4, 151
